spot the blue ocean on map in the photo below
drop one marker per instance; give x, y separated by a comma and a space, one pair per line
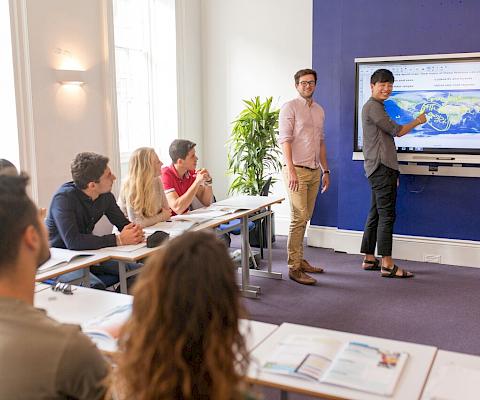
448, 112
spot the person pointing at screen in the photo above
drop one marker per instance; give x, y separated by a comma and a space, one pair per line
381, 168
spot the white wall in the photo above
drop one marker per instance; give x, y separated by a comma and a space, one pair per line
57, 122
189, 73
61, 120
228, 50
8, 136
250, 48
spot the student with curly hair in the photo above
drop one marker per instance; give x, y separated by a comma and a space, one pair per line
182, 340
142, 198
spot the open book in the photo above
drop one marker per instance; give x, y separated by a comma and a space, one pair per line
104, 330
59, 257
352, 365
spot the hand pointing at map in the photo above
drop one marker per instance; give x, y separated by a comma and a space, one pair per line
421, 119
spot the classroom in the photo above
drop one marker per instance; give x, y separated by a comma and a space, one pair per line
108, 77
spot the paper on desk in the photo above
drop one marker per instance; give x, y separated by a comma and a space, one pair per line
104, 330
243, 202
173, 228
454, 382
200, 215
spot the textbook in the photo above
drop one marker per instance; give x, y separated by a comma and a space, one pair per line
104, 330
59, 257
351, 365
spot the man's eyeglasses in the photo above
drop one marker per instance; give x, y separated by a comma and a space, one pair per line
307, 83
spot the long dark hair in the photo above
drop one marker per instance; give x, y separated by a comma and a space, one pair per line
183, 341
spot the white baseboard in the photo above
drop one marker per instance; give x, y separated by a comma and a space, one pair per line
281, 224
414, 248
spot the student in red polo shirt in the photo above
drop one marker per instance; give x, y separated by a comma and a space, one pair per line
184, 184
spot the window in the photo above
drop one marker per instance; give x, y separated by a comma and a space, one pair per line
146, 79
9, 132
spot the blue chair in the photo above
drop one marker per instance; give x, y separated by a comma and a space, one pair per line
233, 227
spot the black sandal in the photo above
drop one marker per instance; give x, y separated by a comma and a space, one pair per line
373, 265
392, 272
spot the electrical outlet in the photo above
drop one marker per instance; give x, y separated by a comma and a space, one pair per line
432, 258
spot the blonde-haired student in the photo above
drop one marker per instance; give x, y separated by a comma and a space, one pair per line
142, 198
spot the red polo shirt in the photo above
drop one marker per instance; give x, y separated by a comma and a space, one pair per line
174, 183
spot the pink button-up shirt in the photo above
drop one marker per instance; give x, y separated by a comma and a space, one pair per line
303, 127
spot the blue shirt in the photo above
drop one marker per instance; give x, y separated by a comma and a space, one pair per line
73, 216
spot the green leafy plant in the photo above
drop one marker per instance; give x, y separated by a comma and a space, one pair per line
254, 152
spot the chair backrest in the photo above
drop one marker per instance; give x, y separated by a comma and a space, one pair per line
266, 187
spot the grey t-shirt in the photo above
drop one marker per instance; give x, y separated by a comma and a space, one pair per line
378, 133
44, 359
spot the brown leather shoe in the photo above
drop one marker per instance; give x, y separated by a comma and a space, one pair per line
307, 267
301, 277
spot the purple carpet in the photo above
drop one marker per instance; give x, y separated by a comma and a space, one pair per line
440, 306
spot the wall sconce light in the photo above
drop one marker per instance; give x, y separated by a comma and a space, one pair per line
70, 77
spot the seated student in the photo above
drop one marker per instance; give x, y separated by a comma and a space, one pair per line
142, 198
184, 343
78, 206
7, 167
184, 185
40, 358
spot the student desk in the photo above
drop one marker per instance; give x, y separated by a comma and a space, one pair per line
409, 386
87, 304
83, 305
453, 374
252, 208
125, 257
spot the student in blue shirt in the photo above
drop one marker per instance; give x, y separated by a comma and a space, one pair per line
78, 205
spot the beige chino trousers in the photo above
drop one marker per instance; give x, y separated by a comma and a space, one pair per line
302, 204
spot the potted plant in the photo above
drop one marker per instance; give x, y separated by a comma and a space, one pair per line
254, 154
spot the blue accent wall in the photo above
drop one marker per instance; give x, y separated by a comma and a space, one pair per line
444, 207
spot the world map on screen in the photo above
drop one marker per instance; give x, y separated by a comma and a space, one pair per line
448, 112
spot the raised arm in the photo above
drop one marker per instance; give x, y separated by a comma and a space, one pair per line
421, 119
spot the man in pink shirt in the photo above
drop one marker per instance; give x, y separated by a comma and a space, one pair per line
183, 184
301, 126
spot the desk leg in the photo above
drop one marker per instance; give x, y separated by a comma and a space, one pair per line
246, 289
122, 275
268, 273
86, 277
